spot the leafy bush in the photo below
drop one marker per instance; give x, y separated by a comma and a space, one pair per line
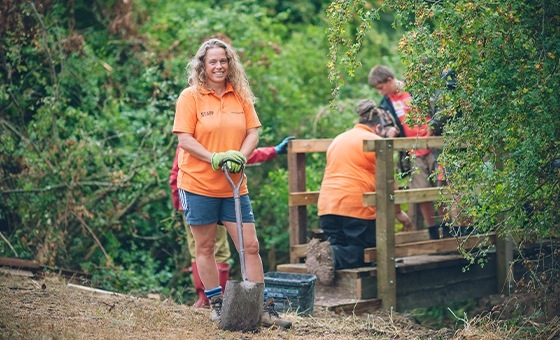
87, 101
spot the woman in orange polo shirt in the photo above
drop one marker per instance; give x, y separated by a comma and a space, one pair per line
350, 172
215, 121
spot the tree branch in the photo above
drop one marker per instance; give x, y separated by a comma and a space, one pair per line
20, 135
9, 244
109, 261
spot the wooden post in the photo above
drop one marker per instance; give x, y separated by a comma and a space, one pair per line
504, 256
298, 214
504, 261
385, 225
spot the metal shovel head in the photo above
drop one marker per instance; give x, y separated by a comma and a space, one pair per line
242, 306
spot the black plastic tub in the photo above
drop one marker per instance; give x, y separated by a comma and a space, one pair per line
291, 292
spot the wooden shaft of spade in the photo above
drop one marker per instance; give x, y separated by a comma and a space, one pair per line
238, 217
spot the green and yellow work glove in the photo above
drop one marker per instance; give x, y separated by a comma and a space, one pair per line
233, 159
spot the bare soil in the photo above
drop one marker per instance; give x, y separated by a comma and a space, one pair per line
49, 309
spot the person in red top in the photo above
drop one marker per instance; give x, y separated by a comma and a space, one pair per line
348, 226
216, 125
397, 102
222, 251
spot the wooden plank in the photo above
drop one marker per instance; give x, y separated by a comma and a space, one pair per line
427, 262
385, 225
297, 214
297, 268
303, 198
421, 195
441, 246
504, 268
412, 236
19, 263
354, 273
357, 308
93, 290
17, 272
504, 253
441, 285
347, 288
369, 199
406, 143
308, 145
298, 251
400, 237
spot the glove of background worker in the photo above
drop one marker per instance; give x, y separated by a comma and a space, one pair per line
283, 145
233, 159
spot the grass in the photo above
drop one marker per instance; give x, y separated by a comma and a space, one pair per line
49, 309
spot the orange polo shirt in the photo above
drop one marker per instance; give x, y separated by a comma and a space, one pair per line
219, 124
401, 104
348, 174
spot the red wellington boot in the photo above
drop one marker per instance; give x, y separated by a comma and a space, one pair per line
223, 272
199, 287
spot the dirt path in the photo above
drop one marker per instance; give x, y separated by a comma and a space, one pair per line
49, 309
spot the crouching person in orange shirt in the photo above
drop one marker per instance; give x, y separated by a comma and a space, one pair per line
349, 173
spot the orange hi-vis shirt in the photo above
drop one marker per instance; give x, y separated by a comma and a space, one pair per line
219, 124
349, 173
401, 104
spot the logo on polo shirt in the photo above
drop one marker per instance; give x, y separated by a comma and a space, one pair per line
206, 113
237, 112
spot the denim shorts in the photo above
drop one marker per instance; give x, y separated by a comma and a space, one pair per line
201, 210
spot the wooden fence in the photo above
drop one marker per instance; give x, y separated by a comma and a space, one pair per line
384, 199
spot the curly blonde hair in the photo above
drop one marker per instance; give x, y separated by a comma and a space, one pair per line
236, 76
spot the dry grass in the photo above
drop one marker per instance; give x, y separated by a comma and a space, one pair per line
49, 309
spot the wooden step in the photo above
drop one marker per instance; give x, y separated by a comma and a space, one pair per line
347, 306
403, 265
355, 273
349, 284
424, 280
297, 268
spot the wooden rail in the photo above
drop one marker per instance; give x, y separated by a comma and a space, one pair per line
410, 247
389, 246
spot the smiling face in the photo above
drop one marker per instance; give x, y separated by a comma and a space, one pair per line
216, 66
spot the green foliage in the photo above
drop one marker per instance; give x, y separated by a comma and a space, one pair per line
504, 108
446, 316
503, 132
87, 100
506, 60
85, 143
